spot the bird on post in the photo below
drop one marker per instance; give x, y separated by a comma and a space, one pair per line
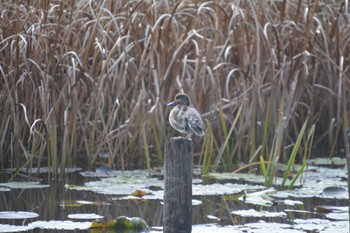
184, 117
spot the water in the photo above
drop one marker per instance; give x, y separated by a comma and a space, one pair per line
220, 202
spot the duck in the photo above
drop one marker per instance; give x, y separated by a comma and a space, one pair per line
184, 117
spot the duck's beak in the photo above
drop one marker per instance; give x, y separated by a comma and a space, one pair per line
171, 104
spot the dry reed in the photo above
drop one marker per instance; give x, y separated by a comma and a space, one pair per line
84, 79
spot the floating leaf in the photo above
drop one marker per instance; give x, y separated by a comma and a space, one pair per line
76, 187
42, 170
334, 161
335, 192
321, 225
60, 225
138, 193
3, 189
214, 228
259, 198
338, 216
107, 172
133, 198
298, 211
334, 212
196, 202
325, 209
214, 218
263, 227
24, 185
259, 214
338, 227
84, 216
222, 189
314, 224
79, 203
120, 185
17, 215
104, 170
253, 178
94, 174
317, 182
290, 202
12, 228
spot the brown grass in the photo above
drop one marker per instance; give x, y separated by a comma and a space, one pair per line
81, 79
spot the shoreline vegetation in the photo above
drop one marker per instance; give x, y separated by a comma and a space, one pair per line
85, 83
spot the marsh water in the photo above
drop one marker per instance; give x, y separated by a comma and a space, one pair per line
222, 202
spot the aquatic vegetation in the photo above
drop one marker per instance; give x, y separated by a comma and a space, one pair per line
134, 224
24, 185
17, 215
222, 202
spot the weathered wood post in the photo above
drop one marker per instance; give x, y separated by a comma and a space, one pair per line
347, 150
177, 209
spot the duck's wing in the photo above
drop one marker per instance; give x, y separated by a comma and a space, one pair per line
196, 124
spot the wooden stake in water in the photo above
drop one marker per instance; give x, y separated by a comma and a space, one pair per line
177, 209
347, 148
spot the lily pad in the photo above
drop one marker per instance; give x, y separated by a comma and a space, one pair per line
103, 170
259, 198
258, 214
17, 215
330, 176
321, 225
80, 203
338, 216
124, 184
43, 170
94, 174
334, 161
24, 185
253, 178
213, 218
222, 189
3, 189
325, 209
196, 202
13, 228
263, 227
77, 187
214, 228
298, 211
60, 225
335, 192
107, 172
250, 178
315, 224
316, 182
84, 216
339, 227
290, 202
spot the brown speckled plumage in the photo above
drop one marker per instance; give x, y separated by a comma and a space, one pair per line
184, 117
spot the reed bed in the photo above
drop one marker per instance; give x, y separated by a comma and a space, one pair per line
85, 83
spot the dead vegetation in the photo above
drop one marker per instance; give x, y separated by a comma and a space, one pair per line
85, 79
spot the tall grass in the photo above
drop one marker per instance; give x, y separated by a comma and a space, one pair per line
94, 77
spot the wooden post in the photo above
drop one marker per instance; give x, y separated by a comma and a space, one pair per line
347, 149
177, 208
